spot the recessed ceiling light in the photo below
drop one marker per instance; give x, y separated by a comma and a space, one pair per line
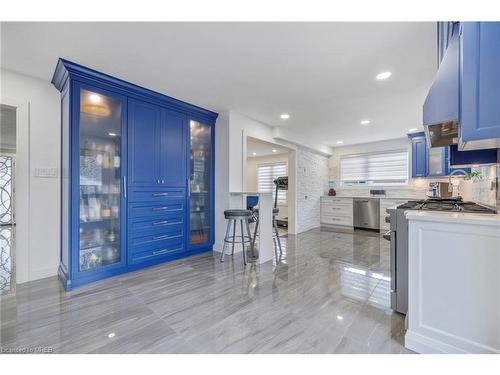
274, 150
254, 153
412, 130
340, 142
284, 116
383, 75
112, 134
111, 335
365, 122
94, 98
340, 317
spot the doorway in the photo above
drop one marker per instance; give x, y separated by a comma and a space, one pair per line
7, 191
266, 167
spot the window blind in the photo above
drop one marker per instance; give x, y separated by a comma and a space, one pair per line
381, 168
266, 174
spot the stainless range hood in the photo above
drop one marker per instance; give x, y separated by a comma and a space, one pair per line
440, 111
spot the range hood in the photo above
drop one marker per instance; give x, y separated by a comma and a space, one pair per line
440, 111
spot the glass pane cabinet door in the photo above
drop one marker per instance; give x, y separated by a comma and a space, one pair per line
200, 183
100, 180
436, 161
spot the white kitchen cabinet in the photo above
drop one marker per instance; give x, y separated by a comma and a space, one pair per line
453, 283
336, 211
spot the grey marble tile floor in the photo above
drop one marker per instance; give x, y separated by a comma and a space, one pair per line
328, 294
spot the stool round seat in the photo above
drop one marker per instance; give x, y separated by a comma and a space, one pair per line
236, 213
276, 210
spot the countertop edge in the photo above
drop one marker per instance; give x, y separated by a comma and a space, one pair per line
454, 217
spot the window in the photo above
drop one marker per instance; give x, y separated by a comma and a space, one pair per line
266, 174
380, 168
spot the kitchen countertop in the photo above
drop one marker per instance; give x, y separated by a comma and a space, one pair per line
454, 217
384, 197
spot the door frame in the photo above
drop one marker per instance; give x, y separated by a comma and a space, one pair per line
21, 192
292, 174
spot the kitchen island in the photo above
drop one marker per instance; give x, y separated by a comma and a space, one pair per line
454, 282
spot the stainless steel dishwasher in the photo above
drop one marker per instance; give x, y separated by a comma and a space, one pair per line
366, 213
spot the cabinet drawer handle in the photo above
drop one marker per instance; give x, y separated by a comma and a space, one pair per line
160, 208
163, 237
336, 208
160, 222
159, 194
156, 252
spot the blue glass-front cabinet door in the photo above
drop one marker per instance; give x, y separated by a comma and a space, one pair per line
480, 85
144, 129
201, 231
99, 140
437, 161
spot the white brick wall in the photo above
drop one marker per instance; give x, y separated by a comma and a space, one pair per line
312, 183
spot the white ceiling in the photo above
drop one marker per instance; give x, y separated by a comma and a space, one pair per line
323, 74
261, 148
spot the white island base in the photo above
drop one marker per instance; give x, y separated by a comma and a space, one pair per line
454, 283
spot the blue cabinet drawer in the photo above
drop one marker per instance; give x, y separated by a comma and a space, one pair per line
144, 225
156, 194
148, 252
154, 210
160, 238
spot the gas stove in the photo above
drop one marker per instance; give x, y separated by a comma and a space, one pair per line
449, 205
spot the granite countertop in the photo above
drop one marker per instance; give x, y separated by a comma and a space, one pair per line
454, 217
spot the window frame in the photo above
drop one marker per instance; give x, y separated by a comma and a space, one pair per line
285, 192
369, 183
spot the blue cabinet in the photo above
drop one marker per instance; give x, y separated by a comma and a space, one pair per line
474, 157
125, 172
418, 155
479, 85
435, 161
144, 127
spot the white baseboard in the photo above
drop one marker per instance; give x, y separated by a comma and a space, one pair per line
426, 345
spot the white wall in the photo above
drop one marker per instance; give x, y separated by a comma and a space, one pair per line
312, 183
221, 176
37, 245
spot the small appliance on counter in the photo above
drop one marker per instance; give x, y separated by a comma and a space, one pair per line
332, 192
439, 190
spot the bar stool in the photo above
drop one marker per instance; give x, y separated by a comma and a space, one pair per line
276, 237
234, 216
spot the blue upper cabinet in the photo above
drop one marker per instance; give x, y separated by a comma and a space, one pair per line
428, 162
473, 157
157, 145
144, 127
418, 155
480, 85
174, 142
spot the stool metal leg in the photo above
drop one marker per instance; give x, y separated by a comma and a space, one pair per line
243, 243
275, 225
234, 236
226, 238
255, 232
250, 238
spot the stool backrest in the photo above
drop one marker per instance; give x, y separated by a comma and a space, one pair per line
252, 201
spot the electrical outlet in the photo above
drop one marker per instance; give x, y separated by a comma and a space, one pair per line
46, 172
